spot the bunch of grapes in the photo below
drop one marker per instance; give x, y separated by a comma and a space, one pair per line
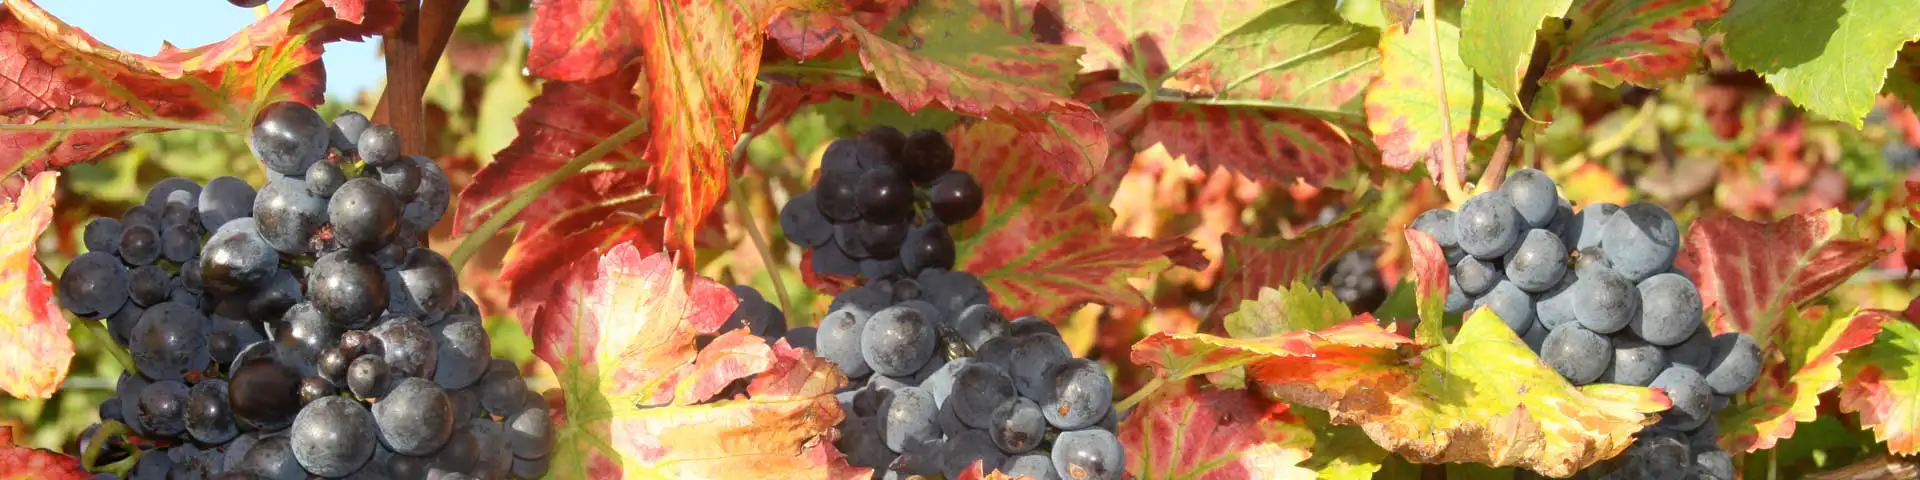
941, 380
1596, 295
301, 331
882, 204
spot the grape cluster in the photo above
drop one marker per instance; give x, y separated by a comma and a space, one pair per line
301, 330
1596, 295
882, 204
941, 379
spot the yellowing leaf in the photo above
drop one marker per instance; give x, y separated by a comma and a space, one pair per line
1811, 350
1497, 38
1256, 262
1482, 398
1883, 386
34, 348
1403, 107
1186, 432
1180, 355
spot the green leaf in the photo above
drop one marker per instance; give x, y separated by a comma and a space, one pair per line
1829, 56
1296, 307
1884, 386
1635, 41
1498, 38
1403, 108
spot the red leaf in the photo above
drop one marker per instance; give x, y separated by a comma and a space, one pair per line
35, 351
1252, 263
1178, 356
1799, 364
1185, 432
1036, 244
1265, 144
1431, 286
17, 462
1881, 386
639, 395
69, 98
583, 40
1752, 275
1636, 41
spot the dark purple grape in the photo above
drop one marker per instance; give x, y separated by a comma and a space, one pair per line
364, 214
838, 195
928, 246
288, 136
956, 197
379, 145
884, 196
926, 155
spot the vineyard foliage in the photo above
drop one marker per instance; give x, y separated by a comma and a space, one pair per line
1169, 182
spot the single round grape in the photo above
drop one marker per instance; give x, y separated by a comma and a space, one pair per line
1031, 363
410, 349
979, 323
102, 234
883, 241
956, 197
1512, 304
1080, 393
1692, 398
1555, 307
1584, 230
170, 341
802, 222
139, 245
1635, 362
847, 237
926, 155
364, 214
1537, 264
237, 258
530, 433
839, 339
180, 243
429, 200
1604, 301
415, 417
347, 288
1017, 425
403, 178
289, 215
1578, 354
1735, 363
347, 127
368, 376
978, 388
379, 145
147, 285
1641, 240
1488, 226
314, 388
1033, 466
324, 178
838, 195
288, 136
120, 325
1477, 276
305, 332
264, 394
223, 200
334, 436
908, 418
1669, 310
1533, 195
333, 365
1437, 223
884, 196
890, 140
464, 350
1089, 455
94, 284
162, 409
897, 341
430, 282
928, 246
165, 188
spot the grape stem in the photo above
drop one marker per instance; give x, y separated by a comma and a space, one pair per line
1517, 118
98, 332
106, 432
1138, 396
480, 236
1451, 170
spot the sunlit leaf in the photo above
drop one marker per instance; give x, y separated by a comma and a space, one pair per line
1497, 39
1883, 385
1753, 275
1255, 262
1186, 432
1800, 364
1403, 107
34, 348
1181, 355
1830, 57
1635, 41
22, 463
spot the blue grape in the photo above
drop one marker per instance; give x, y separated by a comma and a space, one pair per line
1089, 455
1079, 395
978, 388
1604, 301
1457, 299
346, 130
829, 260
1031, 325
368, 376
1735, 363
147, 285
410, 349
334, 436
1555, 307
95, 284
170, 341
237, 258
1477, 276
1438, 223
1713, 465
464, 350
1031, 360
180, 243
1584, 230
414, 418
403, 178
162, 408
429, 201
120, 325
378, 145
288, 136
288, 215
939, 384
1669, 310
1536, 337
803, 337
139, 215
838, 341
875, 269
1641, 240
225, 199
1533, 195
802, 222
165, 188
1487, 226
1033, 466
364, 214
908, 418
897, 341
1512, 304
865, 445
428, 285
529, 433
1017, 426
1578, 354
952, 291
1692, 398
1537, 264
1635, 362
1695, 353
139, 245
979, 323
348, 289
967, 448
928, 246
102, 234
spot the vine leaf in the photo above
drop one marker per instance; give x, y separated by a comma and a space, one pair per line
1497, 39
1402, 111
35, 351
1186, 432
1830, 57
22, 462
66, 98
1273, 75
1810, 348
1256, 262
1635, 41
641, 399
1753, 275
1177, 356
1037, 245
1502, 408
1883, 385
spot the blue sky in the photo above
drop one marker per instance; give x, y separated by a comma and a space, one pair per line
139, 26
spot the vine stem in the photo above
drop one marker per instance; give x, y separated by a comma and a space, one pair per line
734, 157
1517, 117
104, 434
99, 335
1451, 170
480, 236
1138, 396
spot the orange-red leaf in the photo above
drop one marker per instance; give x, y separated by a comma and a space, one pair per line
640, 398
1036, 244
1800, 364
583, 40
1883, 385
1178, 356
1185, 432
1753, 275
66, 98
1252, 263
34, 348
22, 463
1265, 144
1636, 41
